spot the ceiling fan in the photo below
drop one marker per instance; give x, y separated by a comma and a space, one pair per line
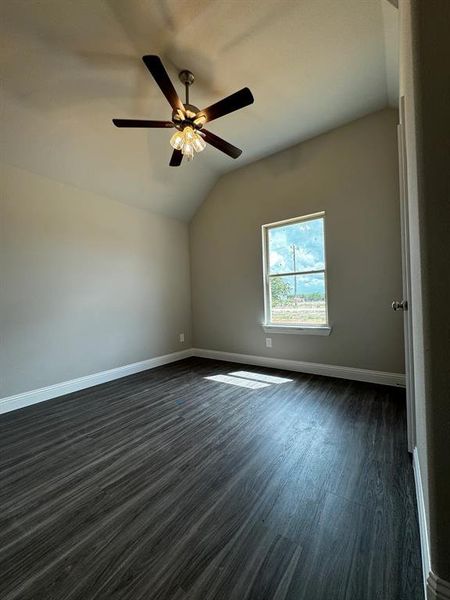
187, 118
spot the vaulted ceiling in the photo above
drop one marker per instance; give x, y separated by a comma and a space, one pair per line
69, 66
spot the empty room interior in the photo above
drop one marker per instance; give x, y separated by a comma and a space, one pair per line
224, 291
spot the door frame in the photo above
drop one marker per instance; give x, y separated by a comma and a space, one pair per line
406, 279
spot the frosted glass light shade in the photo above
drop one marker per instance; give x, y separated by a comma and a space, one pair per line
199, 143
177, 140
189, 134
188, 151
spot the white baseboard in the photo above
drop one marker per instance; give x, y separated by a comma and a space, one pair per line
66, 387
435, 587
423, 529
396, 379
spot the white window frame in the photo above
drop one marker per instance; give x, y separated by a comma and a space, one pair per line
298, 328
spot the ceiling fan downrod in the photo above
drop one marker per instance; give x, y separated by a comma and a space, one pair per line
187, 79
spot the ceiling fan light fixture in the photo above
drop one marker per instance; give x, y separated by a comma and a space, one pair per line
187, 141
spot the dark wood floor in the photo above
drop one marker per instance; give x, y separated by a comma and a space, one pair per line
165, 485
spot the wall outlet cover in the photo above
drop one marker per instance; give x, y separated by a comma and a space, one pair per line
181, 337
268, 342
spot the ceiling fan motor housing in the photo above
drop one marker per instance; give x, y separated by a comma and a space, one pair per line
191, 113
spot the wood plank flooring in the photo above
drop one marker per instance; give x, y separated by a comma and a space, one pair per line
168, 486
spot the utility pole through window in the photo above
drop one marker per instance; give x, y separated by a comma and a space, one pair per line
294, 248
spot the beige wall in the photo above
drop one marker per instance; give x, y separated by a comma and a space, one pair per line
352, 174
87, 284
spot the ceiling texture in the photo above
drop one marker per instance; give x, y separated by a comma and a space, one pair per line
69, 66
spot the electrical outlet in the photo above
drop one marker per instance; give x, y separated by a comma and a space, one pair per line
268, 342
181, 337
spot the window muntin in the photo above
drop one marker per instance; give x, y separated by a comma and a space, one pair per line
295, 272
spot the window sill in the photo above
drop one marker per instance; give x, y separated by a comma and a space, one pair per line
298, 329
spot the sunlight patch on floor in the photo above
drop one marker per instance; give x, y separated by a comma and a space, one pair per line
246, 383
248, 379
261, 377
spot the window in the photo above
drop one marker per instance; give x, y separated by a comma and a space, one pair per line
295, 280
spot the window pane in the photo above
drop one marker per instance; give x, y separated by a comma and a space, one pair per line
296, 247
298, 299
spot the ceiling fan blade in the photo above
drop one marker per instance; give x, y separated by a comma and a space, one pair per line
228, 105
221, 144
141, 123
159, 73
177, 157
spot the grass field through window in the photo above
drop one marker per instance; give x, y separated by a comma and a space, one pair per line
310, 313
